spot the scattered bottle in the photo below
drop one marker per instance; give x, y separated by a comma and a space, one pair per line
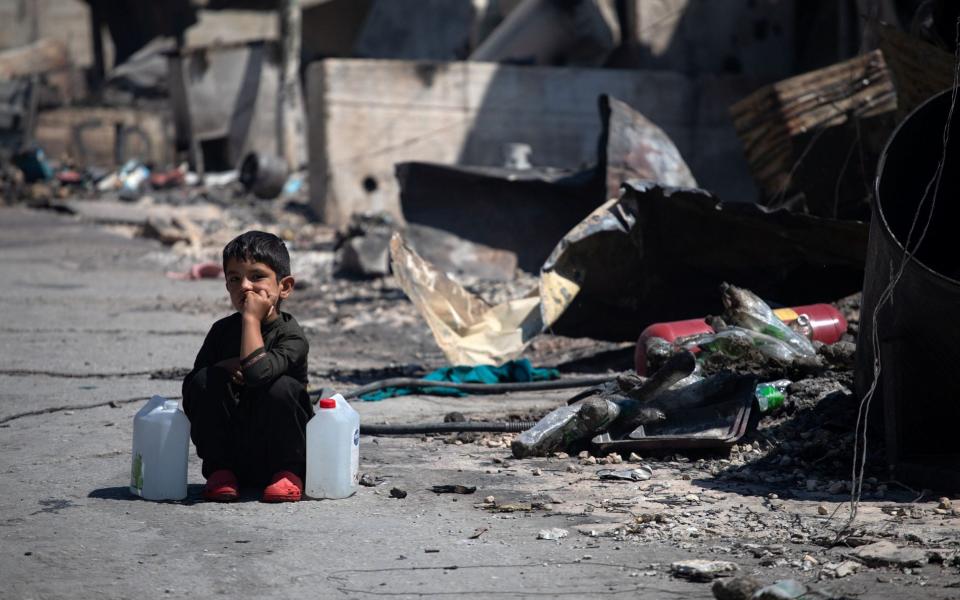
161, 442
772, 395
820, 322
565, 425
333, 450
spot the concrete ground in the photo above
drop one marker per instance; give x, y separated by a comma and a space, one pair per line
89, 317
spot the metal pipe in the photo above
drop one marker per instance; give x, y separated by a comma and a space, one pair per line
453, 427
487, 388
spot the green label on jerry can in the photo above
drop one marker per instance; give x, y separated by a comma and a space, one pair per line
136, 474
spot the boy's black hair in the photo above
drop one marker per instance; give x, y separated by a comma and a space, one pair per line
259, 246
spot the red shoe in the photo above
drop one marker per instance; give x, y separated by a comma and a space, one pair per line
221, 486
284, 487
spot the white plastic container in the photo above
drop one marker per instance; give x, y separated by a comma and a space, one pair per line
333, 450
161, 442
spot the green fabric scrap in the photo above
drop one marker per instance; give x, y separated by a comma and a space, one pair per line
515, 371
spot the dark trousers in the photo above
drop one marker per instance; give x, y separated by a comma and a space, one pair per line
254, 432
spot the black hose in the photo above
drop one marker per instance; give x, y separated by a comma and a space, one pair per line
453, 427
484, 388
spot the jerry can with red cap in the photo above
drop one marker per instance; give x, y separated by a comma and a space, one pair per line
333, 450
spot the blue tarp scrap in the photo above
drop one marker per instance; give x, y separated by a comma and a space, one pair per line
515, 371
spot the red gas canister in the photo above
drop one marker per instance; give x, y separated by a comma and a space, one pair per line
826, 325
826, 322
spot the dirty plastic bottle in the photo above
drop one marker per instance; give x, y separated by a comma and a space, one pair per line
771, 395
820, 322
161, 442
333, 450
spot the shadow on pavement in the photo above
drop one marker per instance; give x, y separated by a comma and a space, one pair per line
193, 495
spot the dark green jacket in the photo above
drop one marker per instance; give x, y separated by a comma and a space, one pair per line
284, 350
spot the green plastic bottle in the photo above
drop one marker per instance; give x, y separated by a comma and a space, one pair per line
771, 395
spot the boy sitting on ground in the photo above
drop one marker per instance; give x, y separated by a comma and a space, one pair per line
246, 396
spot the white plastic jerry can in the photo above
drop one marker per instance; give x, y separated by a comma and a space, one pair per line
333, 450
161, 442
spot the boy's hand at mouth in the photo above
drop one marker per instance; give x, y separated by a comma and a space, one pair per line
257, 305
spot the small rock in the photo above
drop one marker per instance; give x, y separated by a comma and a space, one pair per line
614, 458
692, 498
561, 455
583, 454
398, 493
843, 569
889, 554
590, 460
939, 556
855, 541
454, 417
701, 570
738, 588
837, 487
823, 510
637, 474
913, 537
572, 468
603, 460
536, 472
512, 507
773, 496
489, 500
554, 533
367, 480
454, 489
945, 504
634, 458
600, 529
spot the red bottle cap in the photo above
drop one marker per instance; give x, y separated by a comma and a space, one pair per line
328, 403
